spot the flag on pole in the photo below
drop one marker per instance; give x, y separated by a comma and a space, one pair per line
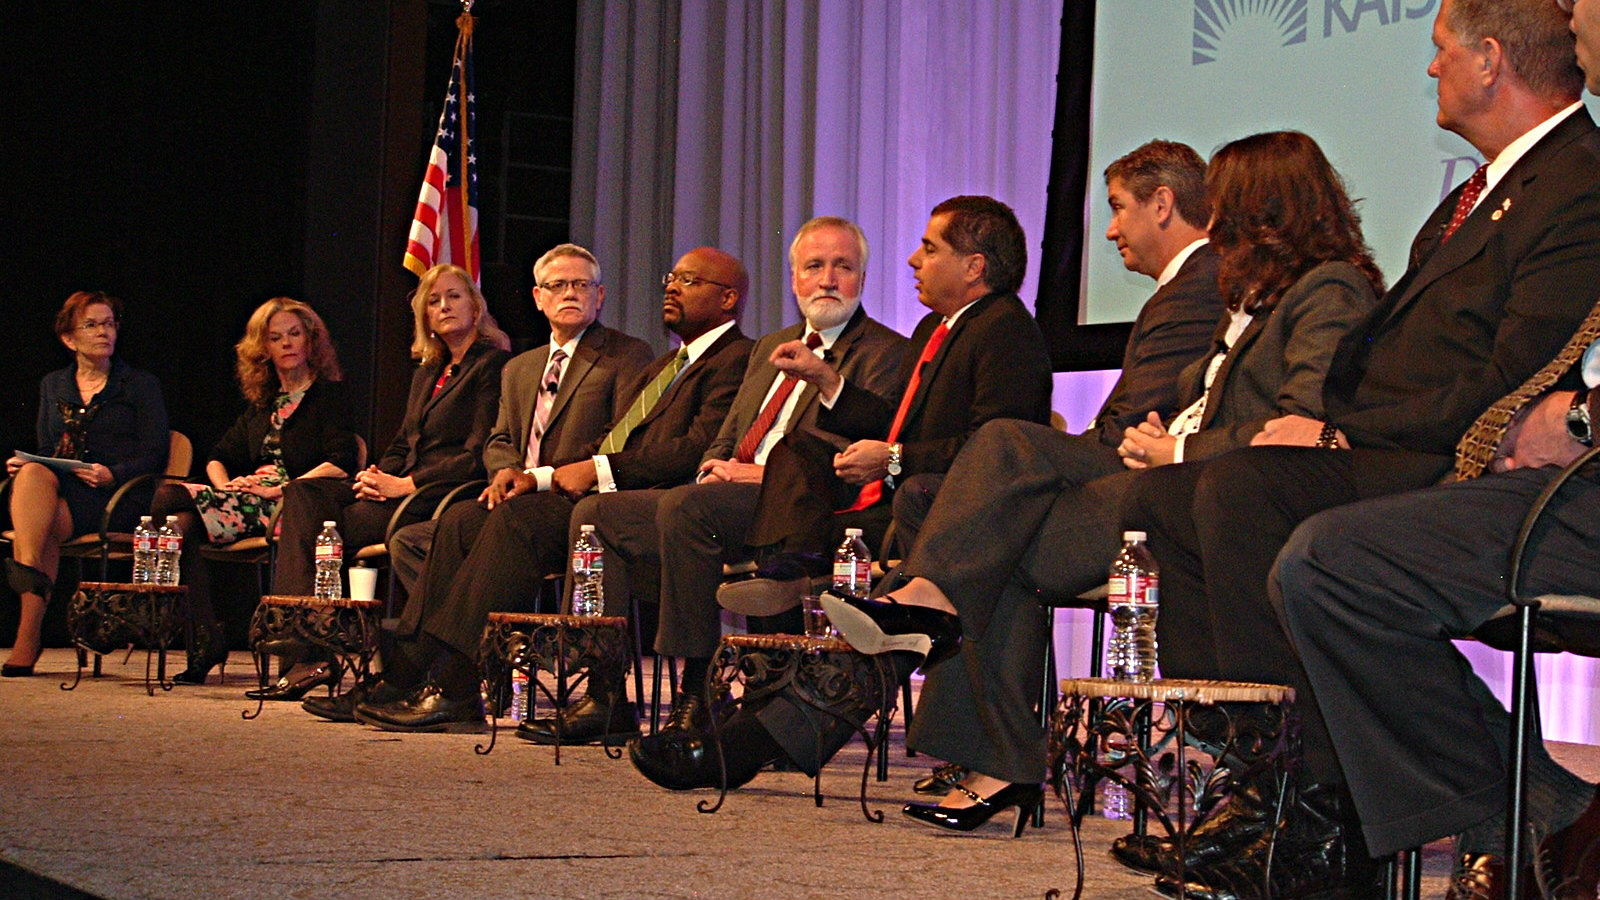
444, 228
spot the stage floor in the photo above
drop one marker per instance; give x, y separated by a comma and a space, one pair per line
121, 795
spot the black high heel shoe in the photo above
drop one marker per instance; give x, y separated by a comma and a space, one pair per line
879, 626
296, 683
207, 652
1025, 797
25, 579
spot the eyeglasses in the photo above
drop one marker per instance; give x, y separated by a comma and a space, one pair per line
581, 285
97, 324
1566, 5
690, 281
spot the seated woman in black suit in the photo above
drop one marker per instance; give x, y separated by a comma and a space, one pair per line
99, 410
1297, 277
297, 426
450, 411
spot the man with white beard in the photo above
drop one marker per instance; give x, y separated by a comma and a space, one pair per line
691, 529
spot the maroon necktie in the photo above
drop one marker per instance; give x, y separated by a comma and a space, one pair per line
769, 413
872, 491
1468, 199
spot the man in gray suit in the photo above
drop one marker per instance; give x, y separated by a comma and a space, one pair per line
550, 412
691, 529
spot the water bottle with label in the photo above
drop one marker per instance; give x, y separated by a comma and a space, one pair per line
852, 566
519, 695
588, 569
330, 557
169, 551
144, 551
1134, 599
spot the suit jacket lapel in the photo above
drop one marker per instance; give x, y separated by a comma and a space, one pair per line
583, 359
931, 370
691, 371
1247, 337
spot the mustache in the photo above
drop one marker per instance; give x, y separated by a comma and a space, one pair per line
827, 293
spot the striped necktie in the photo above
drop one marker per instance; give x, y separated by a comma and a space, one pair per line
644, 403
751, 442
1478, 446
543, 402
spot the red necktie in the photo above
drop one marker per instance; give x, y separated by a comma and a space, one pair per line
769, 413
1468, 199
872, 491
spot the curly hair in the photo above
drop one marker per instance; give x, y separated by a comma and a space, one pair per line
425, 345
1279, 210
67, 318
257, 377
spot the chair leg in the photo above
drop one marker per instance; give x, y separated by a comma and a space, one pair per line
905, 703
1522, 696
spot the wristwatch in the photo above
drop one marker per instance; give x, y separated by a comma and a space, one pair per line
894, 463
1578, 424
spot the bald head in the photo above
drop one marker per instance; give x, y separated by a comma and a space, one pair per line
706, 290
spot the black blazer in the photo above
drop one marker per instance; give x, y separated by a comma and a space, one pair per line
442, 438
1173, 330
319, 431
129, 433
1474, 317
992, 365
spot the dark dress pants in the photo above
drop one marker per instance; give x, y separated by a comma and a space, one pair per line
797, 509
1215, 528
307, 503
1373, 594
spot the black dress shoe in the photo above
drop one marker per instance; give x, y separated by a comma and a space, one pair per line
879, 626
343, 707
8, 670
297, 682
589, 721
1477, 876
1224, 834
1567, 863
685, 760
942, 780
425, 709
691, 714
777, 585
1025, 797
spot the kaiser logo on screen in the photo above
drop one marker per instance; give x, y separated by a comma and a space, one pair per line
1222, 27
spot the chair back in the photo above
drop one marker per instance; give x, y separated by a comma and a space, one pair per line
361, 454
180, 455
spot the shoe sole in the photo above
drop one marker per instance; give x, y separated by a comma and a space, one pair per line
861, 632
615, 739
435, 728
766, 596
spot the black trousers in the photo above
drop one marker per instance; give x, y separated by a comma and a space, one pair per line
307, 503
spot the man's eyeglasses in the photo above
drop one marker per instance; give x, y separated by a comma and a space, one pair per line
689, 281
581, 285
1566, 5
97, 324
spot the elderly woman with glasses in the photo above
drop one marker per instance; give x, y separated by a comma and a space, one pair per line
109, 419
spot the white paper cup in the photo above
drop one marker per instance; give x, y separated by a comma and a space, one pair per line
363, 582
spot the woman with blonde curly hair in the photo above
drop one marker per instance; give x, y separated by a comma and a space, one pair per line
297, 426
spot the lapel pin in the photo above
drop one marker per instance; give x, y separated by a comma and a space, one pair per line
1505, 207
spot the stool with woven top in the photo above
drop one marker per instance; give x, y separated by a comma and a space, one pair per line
1250, 734
597, 648
344, 630
826, 674
108, 615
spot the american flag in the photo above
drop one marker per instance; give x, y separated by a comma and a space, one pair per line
444, 228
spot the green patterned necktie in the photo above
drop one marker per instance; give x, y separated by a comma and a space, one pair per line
645, 402
1478, 446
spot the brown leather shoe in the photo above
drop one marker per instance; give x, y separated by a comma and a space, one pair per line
1567, 864
1477, 876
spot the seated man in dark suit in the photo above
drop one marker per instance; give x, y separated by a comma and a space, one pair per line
497, 555
977, 356
555, 403
688, 530
1488, 300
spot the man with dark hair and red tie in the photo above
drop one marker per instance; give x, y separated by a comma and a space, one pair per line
1501, 275
977, 356
689, 530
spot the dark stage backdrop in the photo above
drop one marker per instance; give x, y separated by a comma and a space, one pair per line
197, 160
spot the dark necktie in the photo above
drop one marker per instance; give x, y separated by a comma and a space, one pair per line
872, 491
769, 413
543, 401
1470, 193
1478, 446
646, 401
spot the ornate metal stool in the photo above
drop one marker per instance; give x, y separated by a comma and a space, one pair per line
826, 674
596, 647
1258, 741
345, 629
106, 615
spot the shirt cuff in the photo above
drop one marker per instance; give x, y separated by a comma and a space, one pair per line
604, 482
828, 402
1177, 450
543, 475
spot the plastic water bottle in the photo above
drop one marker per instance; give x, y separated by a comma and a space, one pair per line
144, 551
519, 695
330, 557
1116, 801
588, 567
852, 565
1134, 598
169, 550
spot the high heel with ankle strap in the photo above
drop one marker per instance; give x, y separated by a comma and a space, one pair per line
1025, 797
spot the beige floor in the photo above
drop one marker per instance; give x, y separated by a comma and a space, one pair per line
124, 795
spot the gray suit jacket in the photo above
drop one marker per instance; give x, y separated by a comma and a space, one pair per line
867, 353
1278, 364
594, 391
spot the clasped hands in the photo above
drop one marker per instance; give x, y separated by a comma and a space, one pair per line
263, 482
377, 485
